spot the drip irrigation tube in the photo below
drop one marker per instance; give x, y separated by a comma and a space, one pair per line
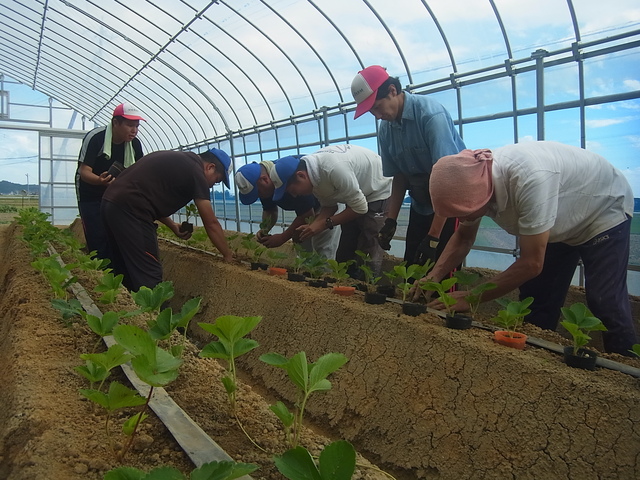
194, 441
536, 342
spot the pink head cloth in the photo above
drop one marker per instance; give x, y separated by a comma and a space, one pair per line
461, 184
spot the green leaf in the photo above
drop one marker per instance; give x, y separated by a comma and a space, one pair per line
104, 325
283, 413
159, 372
152, 299
224, 470
92, 371
325, 365
130, 424
243, 346
136, 340
215, 350
113, 357
124, 473
68, 308
337, 461
189, 309
298, 371
163, 326
297, 464
274, 359
118, 396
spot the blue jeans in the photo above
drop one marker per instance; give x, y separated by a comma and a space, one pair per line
605, 260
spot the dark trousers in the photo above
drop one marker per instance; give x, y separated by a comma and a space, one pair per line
362, 234
605, 260
134, 246
95, 233
417, 230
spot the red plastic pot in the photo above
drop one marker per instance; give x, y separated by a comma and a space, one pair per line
277, 271
510, 339
343, 290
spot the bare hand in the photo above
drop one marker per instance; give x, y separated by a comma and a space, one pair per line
460, 306
105, 179
228, 258
308, 231
272, 241
175, 228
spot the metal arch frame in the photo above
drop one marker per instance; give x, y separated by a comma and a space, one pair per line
124, 60
153, 57
255, 57
335, 27
293, 64
392, 37
324, 64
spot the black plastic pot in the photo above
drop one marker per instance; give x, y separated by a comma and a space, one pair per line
585, 359
413, 309
330, 280
259, 266
386, 290
296, 277
375, 298
186, 227
318, 283
362, 287
458, 321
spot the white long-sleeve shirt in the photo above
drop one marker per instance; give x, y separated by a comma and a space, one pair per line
347, 174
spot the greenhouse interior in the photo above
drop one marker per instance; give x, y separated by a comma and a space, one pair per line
267, 80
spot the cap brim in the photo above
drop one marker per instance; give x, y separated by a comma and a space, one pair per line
133, 117
364, 107
279, 192
249, 198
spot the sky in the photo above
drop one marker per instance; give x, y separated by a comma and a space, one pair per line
613, 130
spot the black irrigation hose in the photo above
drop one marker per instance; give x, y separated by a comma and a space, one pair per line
536, 342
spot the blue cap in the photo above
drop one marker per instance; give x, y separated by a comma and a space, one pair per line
284, 169
247, 180
226, 163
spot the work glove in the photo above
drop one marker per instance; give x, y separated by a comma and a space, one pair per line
386, 233
426, 250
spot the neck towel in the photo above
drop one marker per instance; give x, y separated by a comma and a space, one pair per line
129, 154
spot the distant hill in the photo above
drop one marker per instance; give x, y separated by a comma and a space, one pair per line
8, 188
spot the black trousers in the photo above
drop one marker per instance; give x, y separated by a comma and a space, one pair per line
134, 247
605, 260
417, 230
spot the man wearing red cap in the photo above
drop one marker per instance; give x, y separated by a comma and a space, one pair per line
565, 204
415, 131
105, 152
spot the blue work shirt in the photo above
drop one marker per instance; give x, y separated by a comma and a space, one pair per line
424, 135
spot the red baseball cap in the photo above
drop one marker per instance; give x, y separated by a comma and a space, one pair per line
364, 87
127, 111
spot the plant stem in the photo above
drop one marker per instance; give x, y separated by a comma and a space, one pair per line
135, 428
247, 434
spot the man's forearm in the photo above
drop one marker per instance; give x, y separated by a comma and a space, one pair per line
398, 192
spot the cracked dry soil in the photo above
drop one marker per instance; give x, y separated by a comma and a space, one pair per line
418, 400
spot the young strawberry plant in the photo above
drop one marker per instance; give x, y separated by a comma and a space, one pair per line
474, 295
151, 300
308, 378
578, 321
339, 270
167, 322
410, 274
337, 461
441, 288
59, 277
109, 285
69, 309
230, 330
98, 366
513, 313
224, 470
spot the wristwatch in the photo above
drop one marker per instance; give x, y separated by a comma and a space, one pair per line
329, 223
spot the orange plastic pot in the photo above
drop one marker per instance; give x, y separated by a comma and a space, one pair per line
277, 271
510, 339
344, 291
